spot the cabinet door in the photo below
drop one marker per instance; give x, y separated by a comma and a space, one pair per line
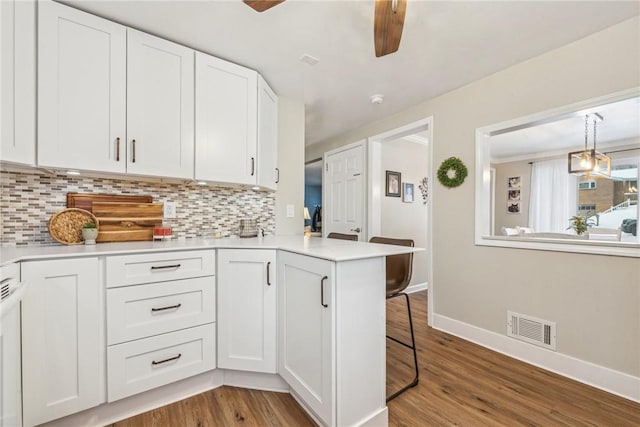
306, 351
268, 172
81, 90
63, 344
226, 119
159, 107
247, 310
18, 85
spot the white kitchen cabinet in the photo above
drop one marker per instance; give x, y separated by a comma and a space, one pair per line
331, 342
226, 121
81, 90
18, 81
161, 312
268, 172
247, 310
160, 97
141, 365
63, 345
112, 99
307, 311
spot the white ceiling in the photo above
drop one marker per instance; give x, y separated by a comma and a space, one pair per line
445, 45
620, 127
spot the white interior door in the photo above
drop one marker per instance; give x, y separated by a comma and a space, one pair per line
344, 192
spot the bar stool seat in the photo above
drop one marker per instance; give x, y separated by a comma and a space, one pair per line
399, 269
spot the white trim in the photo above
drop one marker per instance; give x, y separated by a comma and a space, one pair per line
606, 379
111, 412
482, 184
417, 287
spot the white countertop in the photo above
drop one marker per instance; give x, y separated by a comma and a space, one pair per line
329, 249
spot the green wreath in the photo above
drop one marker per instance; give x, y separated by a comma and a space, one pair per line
459, 169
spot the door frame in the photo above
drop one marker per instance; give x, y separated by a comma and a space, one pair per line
375, 192
361, 143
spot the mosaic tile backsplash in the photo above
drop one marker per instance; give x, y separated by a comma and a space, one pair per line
29, 199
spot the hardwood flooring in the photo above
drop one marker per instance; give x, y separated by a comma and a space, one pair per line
461, 384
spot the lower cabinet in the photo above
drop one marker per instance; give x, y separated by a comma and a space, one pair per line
63, 343
161, 312
147, 363
306, 325
331, 337
247, 310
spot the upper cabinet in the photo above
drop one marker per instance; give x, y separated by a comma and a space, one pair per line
268, 172
226, 121
159, 107
236, 124
81, 90
18, 81
112, 99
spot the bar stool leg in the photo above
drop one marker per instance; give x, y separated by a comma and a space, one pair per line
412, 346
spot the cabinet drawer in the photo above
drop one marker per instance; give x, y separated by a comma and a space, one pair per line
126, 270
141, 365
140, 311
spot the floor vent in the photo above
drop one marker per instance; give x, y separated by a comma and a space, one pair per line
532, 330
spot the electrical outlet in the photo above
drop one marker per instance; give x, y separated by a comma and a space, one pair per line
169, 210
290, 211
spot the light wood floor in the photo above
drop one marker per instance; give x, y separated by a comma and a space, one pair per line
461, 384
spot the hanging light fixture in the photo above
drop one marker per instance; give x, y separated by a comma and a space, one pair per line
589, 161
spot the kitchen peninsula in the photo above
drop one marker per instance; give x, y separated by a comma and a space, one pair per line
116, 329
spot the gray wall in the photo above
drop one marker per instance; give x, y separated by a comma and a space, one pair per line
406, 220
598, 310
291, 165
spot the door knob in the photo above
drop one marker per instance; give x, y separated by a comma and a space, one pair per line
357, 230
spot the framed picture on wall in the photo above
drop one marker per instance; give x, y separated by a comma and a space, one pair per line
514, 195
514, 182
407, 192
392, 187
513, 207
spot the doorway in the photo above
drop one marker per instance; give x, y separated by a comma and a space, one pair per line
408, 151
313, 197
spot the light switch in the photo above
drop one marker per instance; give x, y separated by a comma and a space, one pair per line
290, 211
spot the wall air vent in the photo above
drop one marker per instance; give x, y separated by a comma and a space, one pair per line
4, 291
532, 330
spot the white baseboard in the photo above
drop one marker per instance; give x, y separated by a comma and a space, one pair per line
111, 412
416, 287
606, 379
256, 381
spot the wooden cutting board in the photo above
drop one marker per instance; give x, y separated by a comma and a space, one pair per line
126, 222
85, 200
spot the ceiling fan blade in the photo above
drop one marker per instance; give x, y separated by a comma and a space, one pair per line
387, 25
262, 5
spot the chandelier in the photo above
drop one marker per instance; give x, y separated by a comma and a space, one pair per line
589, 161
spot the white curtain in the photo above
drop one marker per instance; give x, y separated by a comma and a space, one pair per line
554, 196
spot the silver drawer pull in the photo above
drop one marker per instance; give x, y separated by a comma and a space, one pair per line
153, 362
169, 307
163, 267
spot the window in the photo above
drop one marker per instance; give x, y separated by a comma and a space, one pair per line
587, 185
533, 151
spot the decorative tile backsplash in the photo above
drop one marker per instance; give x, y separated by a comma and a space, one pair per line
29, 199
